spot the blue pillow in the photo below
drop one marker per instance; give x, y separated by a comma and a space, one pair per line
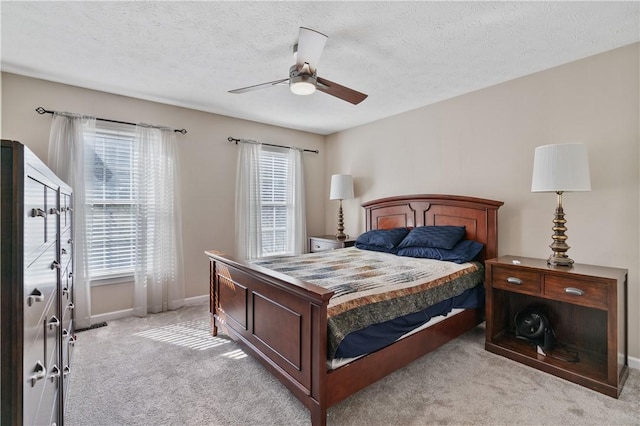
383, 239
434, 236
464, 251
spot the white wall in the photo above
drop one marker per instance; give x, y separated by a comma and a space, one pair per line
207, 163
482, 144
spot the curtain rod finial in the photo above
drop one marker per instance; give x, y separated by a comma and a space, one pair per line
41, 110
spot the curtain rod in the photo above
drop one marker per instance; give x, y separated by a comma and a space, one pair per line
41, 111
231, 139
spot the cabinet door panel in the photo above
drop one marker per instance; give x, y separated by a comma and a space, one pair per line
40, 282
35, 218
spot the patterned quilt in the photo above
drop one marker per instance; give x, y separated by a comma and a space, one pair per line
373, 287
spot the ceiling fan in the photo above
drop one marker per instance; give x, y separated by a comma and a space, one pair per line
303, 78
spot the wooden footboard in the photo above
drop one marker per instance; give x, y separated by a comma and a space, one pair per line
282, 321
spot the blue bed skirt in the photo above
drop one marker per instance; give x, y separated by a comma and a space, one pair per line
377, 336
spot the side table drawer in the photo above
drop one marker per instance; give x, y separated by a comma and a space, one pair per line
519, 281
317, 245
578, 292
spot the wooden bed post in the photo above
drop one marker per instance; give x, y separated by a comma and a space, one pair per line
319, 365
212, 296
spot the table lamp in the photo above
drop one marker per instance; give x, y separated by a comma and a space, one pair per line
560, 168
341, 189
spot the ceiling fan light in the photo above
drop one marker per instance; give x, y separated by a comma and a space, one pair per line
302, 87
300, 82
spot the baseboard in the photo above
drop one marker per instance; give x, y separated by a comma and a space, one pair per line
197, 300
124, 313
109, 316
634, 363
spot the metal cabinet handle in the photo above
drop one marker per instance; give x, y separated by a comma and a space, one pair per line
53, 322
71, 306
54, 210
72, 341
35, 296
38, 212
574, 291
55, 373
55, 264
39, 373
514, 280
65, 291
65, 333
66, 371
70, 241
63, 251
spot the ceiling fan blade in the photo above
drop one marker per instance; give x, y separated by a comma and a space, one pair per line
310, 46
258, 86
342, 92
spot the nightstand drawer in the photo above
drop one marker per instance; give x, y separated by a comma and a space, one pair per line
517, 280
577, 292
327, 242
320, 245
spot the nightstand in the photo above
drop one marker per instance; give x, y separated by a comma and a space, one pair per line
328, 242
586, 306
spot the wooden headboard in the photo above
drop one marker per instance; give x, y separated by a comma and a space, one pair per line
477, 215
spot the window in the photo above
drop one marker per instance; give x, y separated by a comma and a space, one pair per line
274, 203
111, 205
270, 206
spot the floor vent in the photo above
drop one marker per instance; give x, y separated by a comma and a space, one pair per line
98, 325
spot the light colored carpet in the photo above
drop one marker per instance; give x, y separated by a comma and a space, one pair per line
166, 369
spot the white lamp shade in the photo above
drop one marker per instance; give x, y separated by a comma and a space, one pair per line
563, 167
341, 187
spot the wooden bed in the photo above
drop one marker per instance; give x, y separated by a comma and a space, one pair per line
282, 321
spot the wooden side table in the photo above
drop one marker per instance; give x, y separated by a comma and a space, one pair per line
586, 306
328, 242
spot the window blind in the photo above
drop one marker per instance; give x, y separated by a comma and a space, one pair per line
274, 178
110, 167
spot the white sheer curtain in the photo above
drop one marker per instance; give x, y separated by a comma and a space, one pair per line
159, 276
248, 225
67, 160
296, 217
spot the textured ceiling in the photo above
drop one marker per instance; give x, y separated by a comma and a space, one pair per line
404, 55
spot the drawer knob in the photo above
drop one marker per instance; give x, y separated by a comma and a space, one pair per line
55, 373
38, 212
515, 281
63, 251
55, 264
54, 210
66, 371
574, 291
39, 373
53, 322
35, 296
